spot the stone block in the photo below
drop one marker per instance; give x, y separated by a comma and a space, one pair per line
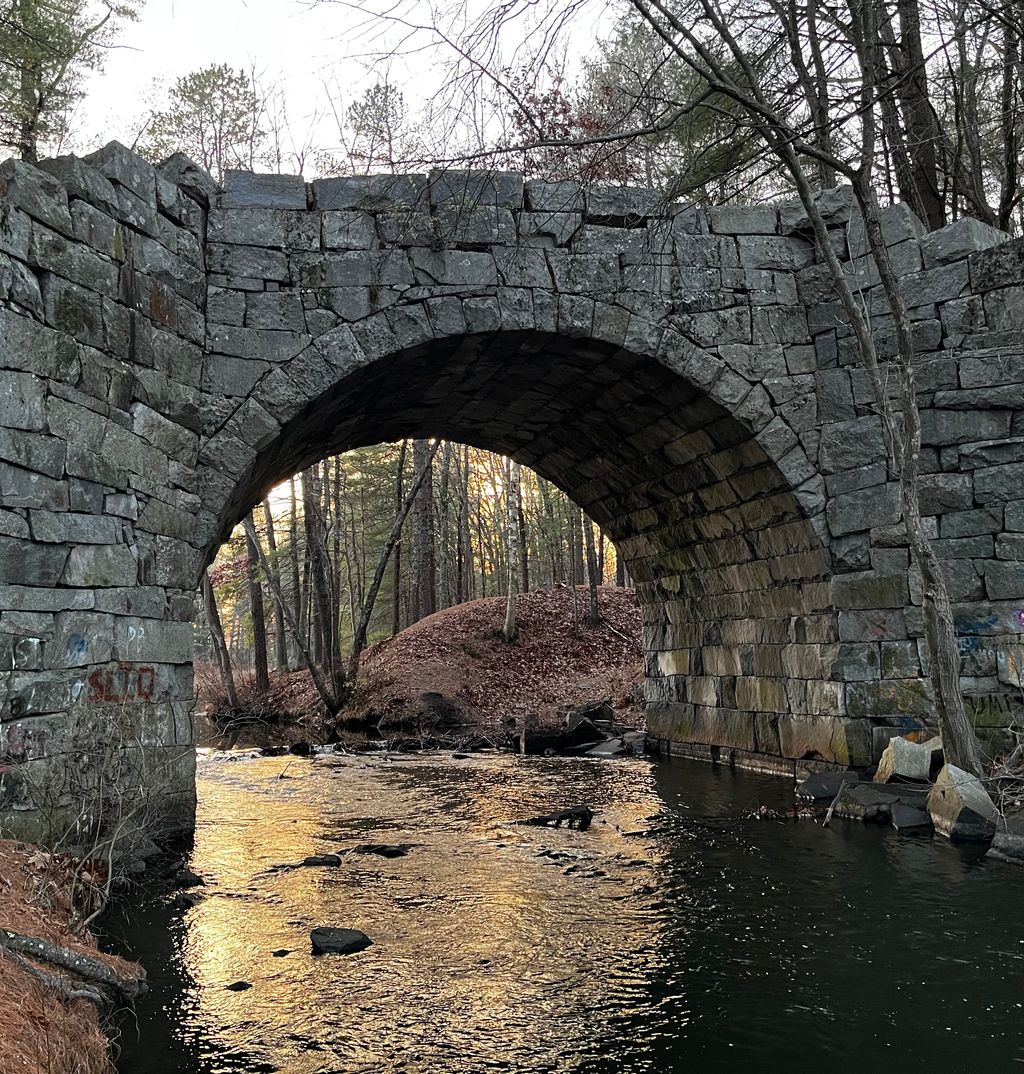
372, 193
557, 226
450, 187
36, 193
744, 219
74, 310
27, 563
848, 445
291, 229
275, 310
23, 488
349, 230
825, 738
960, 807
999, 266
864, 509
903, 760
100, 565
1004, 579
870, 589
959, 239
475, 225
22, 400
898, 224
783, 253
242, 189
997, 484
554, 197
623, 204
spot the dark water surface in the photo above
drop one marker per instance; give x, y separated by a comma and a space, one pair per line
711, 943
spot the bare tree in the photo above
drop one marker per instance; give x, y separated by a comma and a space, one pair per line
512, 480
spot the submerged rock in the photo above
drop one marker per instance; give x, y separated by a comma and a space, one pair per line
611, 747
335, 941
185, 878
322, 859
874, 801
383, 850
960, 806
909, 817
238, 986
1008, 843
591, 711
819, 785
904, 760
582, 733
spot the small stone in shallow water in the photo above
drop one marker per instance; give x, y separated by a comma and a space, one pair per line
238, 986
185, 900
322, 859
383, 850
281, 952
334, 941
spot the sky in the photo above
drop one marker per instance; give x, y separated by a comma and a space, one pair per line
297, 44
290, 42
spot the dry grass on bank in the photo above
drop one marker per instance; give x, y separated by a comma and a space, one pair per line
39, 1032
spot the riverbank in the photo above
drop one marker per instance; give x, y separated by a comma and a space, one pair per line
450, 679
48, 1027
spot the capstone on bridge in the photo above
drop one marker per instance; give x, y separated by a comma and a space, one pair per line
169, 350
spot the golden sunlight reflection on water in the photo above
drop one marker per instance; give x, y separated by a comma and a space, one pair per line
486, 932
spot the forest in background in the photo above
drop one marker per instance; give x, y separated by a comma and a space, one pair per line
479, 526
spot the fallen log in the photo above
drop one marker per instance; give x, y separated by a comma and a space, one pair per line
91, 969
64, 988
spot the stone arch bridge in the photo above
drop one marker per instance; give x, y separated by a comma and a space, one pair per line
169, 349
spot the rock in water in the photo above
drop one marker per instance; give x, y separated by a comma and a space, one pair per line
1008, 844
331, 941
907, 817
904, 760
819, 785
960, 806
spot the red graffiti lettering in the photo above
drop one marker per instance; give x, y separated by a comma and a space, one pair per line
126, 682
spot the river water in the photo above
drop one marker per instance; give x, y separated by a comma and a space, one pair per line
676, 934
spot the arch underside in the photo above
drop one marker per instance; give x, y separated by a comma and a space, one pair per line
731, 576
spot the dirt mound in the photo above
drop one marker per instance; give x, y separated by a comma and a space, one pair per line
456, 660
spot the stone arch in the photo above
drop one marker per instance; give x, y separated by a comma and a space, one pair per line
681, 460
166, 345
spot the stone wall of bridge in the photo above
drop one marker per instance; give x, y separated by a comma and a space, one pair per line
168, 350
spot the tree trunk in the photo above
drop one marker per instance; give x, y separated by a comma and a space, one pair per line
592, 577
512, 481
424, 603
524, 552
362, 627
396, 597
298, 595
280, 637
259, 625
316, 550
220, 648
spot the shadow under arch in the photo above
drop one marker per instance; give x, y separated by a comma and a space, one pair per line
681, 461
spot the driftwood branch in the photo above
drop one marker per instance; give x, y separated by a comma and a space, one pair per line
92, 969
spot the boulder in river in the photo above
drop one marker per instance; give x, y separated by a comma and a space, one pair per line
611, 747
592, 711
582, 733
824, 785
334, 941
904, 760
322, 859
1008, 843
907, 817
960, 806
874, 801
384, 850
